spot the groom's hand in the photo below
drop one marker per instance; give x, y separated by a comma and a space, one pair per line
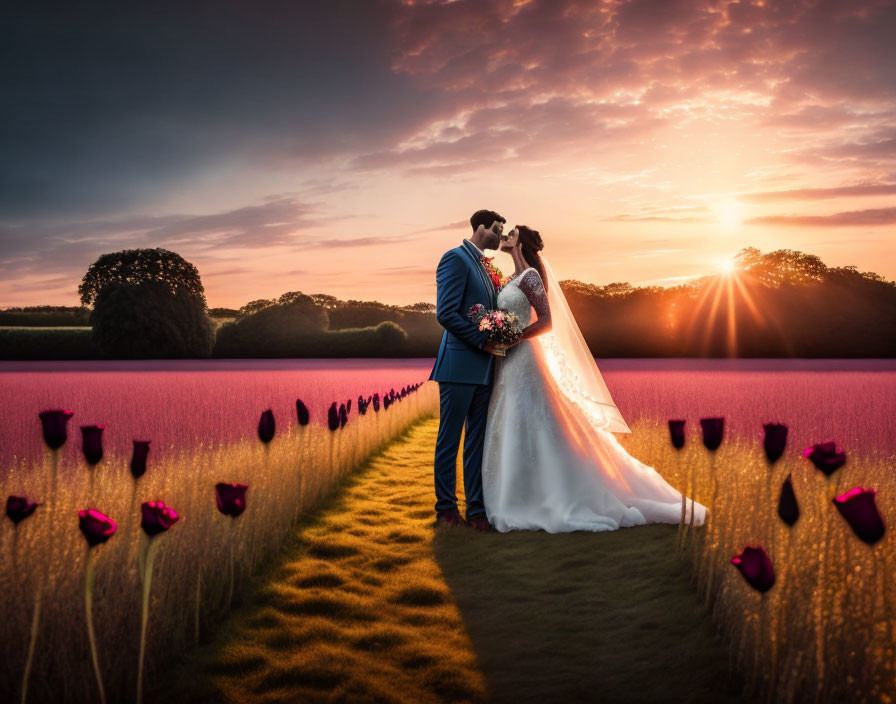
491, 348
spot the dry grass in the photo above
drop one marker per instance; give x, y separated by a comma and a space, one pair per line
287, 477
373, 604
825, 631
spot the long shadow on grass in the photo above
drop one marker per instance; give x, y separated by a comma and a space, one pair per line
607, 617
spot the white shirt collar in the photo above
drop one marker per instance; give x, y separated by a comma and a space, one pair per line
482, 251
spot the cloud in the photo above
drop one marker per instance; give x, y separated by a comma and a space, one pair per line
873, 217
858, 190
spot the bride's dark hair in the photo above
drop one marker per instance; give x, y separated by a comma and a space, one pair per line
532, 244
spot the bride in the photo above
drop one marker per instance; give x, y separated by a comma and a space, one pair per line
550, 460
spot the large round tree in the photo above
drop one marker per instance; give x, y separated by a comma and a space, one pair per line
135, 266
147, 303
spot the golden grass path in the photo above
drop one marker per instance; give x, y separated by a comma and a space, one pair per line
372, 604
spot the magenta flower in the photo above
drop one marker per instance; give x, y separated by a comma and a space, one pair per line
156, 517
97, 527
756, 568
302, 413
713, 430
676, 433
92, 442
18, 508
138, 459
775, 441
55, 427
231, 498
826, 457
858, 507
266, 426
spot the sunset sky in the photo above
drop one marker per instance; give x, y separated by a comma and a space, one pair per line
341, 146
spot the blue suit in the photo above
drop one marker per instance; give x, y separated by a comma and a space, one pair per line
464, 373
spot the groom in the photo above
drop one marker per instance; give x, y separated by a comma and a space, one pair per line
463, 370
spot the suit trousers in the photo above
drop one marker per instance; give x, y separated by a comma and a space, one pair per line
461, 407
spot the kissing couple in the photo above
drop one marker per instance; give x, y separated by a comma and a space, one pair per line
537, 418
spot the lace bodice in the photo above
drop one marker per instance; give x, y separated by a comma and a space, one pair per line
523, 293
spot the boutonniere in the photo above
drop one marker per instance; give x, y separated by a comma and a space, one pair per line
494, 273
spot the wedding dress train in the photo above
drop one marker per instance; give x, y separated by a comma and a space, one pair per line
546, 465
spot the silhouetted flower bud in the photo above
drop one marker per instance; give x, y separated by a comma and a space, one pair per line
92, 442
756, 568
857, 506
156, 517
376, 403
55, 427
302, 413
713, 430
97, 527
676, 433
348, 406
231, 498
826, 457
343, 415
18, 508
138, 459
266, 426
788, 508
775, 441
333, 417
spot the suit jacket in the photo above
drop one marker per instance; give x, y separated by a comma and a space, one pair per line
461, 282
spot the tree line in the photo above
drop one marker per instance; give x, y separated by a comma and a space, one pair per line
785, 303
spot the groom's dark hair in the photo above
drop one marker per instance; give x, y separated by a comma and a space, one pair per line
484, 218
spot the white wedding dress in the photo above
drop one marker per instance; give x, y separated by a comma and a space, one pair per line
546, 463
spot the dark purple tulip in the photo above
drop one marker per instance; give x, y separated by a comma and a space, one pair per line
333, 417
713, 430
756, 568
18, 508
92, 442
266, 426
343, 415
788, 508
156, 517
676, 432
387, 401
138, 459
231, 498
376, 403
348, 406
826, 457
775, 441
55, 426
97, 527
858, 508
302, 413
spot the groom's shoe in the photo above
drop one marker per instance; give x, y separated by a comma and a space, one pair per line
480, 522
451, 517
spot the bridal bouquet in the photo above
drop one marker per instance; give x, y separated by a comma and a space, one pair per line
503, 327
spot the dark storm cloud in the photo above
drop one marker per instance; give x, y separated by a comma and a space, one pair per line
105, 104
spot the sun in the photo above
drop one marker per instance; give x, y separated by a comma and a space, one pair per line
726, 266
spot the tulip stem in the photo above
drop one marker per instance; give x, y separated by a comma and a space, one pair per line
147, 581
684, 500
35, 620
198, 594
231, 541
88, 610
